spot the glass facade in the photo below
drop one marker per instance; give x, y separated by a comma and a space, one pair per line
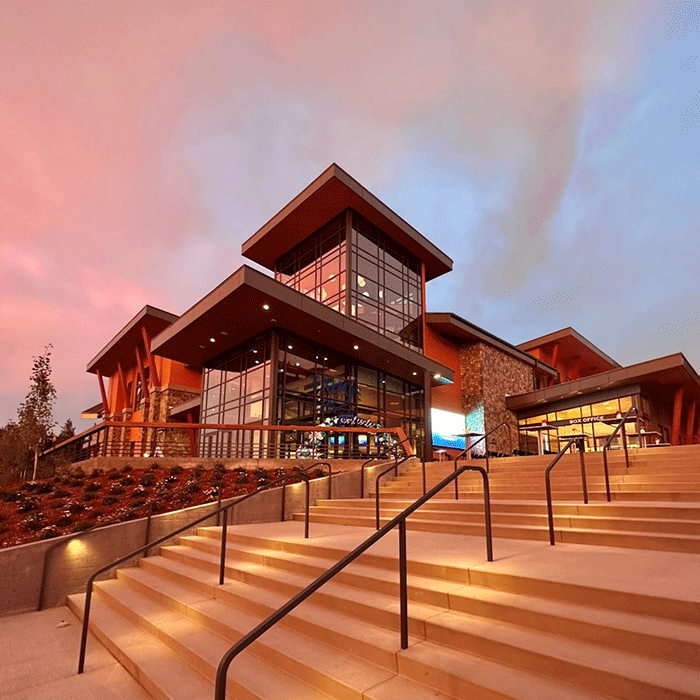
317, 267
595, 420
386, 285
315, 383
312, 384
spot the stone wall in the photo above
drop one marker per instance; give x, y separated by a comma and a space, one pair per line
487, 376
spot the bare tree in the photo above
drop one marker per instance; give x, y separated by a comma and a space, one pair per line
36, 412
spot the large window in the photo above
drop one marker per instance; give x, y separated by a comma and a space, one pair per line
317, 266
386, 286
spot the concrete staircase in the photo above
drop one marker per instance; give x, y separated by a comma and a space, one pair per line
571, 622
656, 502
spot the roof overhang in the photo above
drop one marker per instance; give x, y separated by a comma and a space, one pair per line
331, 193
454, 327
571, 342
121, 347
96, 411
233, 312
663, 375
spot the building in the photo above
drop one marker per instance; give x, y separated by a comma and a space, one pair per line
340, 330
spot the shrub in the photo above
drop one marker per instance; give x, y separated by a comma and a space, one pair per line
60, 493
46, 487
92, 486
113, 475
85, 525
241, 479
260, 473
58, 504
218, 470
48, 532
11, 496
147, 480
138, 503
78, 473
126, 481
97, 513
192, 487
116, 490
174, 471
88, 496
317, 473
28, 505
28, 486
76, 483
75, 507
198, 471
155, 465
127, 468
109, 500
95, 473
34, 522
139, 492
64, 520
170, 480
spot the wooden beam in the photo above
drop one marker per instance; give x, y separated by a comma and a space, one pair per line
690, 424
122, 383
105, 403
677, 410
142, 374
149, 356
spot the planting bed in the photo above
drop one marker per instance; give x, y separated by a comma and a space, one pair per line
75, 500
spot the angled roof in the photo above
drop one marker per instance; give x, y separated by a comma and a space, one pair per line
123, 343
571, 342
664, 374
233, 312
331, 193
453, 326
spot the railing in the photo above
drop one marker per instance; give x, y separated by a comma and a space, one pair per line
395, 467
364, 466
249, 441
579, 441
222, 561
400, 521
463, 453
606, 447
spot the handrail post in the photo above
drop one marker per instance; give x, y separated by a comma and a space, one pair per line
580, 445
224, 532
306, 523
624, 445
284, 499
424, 479
550, 513
148, 527
486, 446
403, 584
456, 479
84, 633
606, 473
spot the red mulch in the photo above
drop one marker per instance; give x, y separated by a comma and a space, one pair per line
72, 502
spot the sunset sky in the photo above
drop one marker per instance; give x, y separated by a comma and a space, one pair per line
552, 149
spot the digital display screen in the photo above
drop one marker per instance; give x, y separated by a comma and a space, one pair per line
446, 427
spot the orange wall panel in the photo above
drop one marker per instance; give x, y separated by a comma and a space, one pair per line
449, 396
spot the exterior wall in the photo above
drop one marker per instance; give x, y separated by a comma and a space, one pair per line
487, 376
449, 396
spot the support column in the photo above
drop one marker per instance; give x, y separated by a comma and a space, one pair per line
149, 356
690, 424
677, 410
105, 402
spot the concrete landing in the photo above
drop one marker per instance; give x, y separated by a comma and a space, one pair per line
652, 573
40, 659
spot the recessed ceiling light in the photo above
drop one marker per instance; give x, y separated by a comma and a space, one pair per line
415, 373
325, 358
255, 352
356, 347
224, 333
212, 340
202, 346
297, 364
266, 307
289, 347
257, 362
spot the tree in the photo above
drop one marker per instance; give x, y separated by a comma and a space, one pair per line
36, 413
67, 431
14, 455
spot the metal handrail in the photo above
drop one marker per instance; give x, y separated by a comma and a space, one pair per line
395, 467
606, 447
550, 515
362, 472
400, 521
222, 564
474, 444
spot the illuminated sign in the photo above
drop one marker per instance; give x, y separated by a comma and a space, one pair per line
446, 427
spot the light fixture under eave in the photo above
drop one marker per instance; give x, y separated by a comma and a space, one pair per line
436, 376
415, 373
356, 347
224, 332
202, 346
266, 307
212, 340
